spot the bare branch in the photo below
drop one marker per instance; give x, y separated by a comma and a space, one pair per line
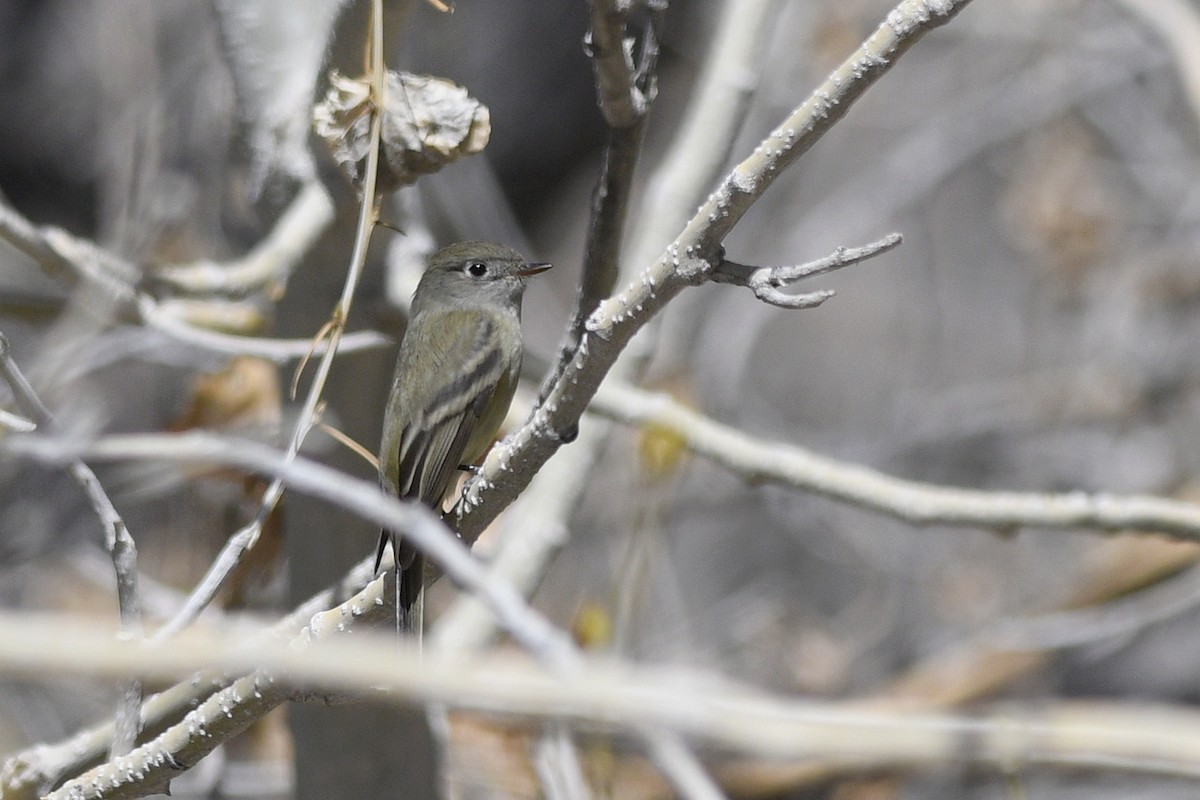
910, 501
16, 423
117, 540
73, 259
225, 713
30, 773
690, 260
1160, 740
625, 96
766, 281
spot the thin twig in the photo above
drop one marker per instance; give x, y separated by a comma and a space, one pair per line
766, 281
910, 501
117, 540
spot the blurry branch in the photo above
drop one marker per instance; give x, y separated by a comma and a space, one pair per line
75, 260
68, 258
16, 423
910, 501
30, 773
621, 698
1177, 22
689, 260
277, 350
766, 281
964, 672
626, 89
117, 540
269, 264
625, 93
225, 713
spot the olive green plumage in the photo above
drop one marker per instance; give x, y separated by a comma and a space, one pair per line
455, 377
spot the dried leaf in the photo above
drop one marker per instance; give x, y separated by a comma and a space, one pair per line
428, 122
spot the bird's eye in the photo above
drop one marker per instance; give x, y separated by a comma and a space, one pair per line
477, 268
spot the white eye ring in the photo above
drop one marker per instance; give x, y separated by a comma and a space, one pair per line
477, 269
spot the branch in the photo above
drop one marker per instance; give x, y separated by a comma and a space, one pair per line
625, 94
224, 714
120, 545
30, 773
689, 260
712, 119
622, 698
766, 281
626, 89
909, 501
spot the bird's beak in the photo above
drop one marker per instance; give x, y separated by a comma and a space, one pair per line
534, 269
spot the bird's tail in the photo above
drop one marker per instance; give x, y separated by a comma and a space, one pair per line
410, 599
410, 581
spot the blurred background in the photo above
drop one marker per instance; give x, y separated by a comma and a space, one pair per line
1036, 331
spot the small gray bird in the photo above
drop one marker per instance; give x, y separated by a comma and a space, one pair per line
455, 377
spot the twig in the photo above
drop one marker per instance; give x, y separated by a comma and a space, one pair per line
626, 89
910, 501
766, 281
120, 545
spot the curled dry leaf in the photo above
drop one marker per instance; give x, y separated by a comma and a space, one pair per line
428, 122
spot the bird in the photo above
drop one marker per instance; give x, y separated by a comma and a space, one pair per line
455, 376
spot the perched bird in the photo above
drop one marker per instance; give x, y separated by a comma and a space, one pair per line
455, 377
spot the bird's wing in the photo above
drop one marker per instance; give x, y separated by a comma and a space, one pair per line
437, 417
